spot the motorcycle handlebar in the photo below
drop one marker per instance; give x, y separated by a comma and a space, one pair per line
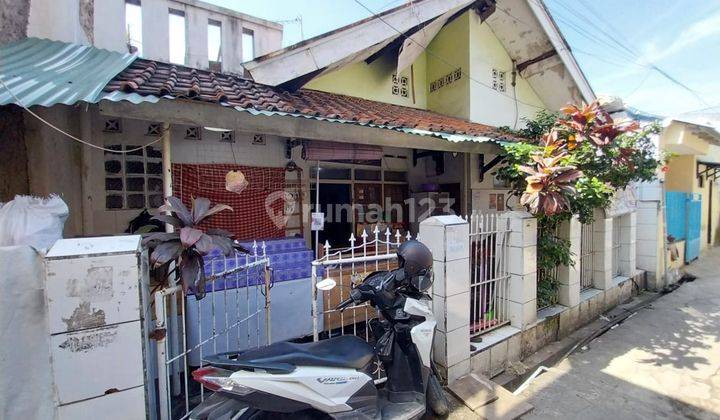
344, 304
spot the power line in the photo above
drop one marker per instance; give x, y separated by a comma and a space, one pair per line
434, 55
60, 130
629, 48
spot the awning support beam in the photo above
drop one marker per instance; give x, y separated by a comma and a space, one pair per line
483, 168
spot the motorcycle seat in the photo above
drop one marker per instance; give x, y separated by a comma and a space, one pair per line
347, 351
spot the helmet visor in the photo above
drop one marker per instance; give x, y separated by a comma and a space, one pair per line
423, 280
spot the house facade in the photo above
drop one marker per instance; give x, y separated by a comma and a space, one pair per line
461, 64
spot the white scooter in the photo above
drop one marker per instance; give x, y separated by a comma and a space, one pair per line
333, 378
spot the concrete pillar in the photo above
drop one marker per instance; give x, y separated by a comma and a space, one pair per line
448, 239
602, 247
569, 276
522, 268
628, 251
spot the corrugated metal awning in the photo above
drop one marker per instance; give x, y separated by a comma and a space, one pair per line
46, 73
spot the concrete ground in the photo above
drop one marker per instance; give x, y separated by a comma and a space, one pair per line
663, 362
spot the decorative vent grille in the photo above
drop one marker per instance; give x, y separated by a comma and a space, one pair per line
498, 80
112, 125
449, 78
259, 139
154, 130
192, 133
400, 86
227, 136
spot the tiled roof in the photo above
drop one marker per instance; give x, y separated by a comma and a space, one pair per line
152, 78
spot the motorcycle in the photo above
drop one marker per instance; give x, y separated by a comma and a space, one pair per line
333, 378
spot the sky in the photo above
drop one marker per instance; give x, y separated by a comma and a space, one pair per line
623, 46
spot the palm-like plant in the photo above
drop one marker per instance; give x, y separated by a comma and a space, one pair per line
188, 242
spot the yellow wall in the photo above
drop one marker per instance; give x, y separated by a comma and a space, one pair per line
465, 43
681, 174
374, 81
488, 106
450, 50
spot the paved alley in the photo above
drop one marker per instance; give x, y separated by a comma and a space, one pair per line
664, 362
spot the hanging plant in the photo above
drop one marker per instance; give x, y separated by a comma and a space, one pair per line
189, 244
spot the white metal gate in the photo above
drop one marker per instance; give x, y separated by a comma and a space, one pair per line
587, 256
616, 246
234, 315
349, 266
489, 276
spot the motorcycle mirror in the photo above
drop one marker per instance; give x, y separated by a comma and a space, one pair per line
326, 284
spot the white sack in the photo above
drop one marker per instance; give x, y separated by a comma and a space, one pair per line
34, 221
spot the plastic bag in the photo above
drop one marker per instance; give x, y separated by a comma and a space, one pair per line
33, 221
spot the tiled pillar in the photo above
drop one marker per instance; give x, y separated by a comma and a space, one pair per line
448, 239
569, 276
522, 267
627, 254
602, 247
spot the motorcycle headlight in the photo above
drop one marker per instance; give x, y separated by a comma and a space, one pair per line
423, 281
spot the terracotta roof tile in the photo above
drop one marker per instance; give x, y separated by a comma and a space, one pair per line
146, 77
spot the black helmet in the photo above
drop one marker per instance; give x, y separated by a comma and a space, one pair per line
416, 261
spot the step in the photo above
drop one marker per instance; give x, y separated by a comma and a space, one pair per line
487, 399
473, 390
506, 407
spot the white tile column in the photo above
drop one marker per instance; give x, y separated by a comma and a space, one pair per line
602, 247
522, 267
569, 276
628, 251
448, 237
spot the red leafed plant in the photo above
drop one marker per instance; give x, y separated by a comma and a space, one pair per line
188, 242
548, 184
592, 122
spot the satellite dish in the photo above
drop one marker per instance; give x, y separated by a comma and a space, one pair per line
326, 284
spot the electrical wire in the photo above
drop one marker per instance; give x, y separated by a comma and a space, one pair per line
441, 59
59, 130
626, 47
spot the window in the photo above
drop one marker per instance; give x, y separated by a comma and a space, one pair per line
133, 180
248, 45
176, 35
133, 26
214, 45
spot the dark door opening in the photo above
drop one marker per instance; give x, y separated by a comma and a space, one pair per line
336, 203
455, 194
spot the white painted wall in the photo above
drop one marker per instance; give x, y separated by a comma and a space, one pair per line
60, 20
57, 20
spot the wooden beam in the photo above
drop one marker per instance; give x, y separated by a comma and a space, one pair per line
544, 56
211, 115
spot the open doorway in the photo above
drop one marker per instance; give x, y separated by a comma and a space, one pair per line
335, 201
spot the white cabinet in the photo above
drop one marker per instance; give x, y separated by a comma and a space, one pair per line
94, 293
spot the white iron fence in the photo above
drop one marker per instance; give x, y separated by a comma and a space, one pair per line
489, 277
348, 267
616, 247
233, 315
587, 255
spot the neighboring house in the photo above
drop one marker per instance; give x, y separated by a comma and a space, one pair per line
683, 203
186, 32
396, 135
